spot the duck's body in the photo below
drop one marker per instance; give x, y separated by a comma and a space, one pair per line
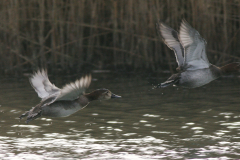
194, 69
64, 108
200, 77
193, 78
62, 102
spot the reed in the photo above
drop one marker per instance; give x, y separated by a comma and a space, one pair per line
111, 34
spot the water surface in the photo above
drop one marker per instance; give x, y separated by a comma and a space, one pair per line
169, 123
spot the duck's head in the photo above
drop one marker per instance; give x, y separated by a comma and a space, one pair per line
101, 94
231, 68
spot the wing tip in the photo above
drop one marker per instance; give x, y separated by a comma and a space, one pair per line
40, 72
83, 82
185, 25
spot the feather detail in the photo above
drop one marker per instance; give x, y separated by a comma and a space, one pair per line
42, 85
194, 47
170, 38
75, 89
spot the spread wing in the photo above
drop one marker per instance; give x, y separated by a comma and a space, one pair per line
74, 90
193, 44
42, 85
170, 38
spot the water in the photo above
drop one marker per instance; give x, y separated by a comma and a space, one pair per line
170, 123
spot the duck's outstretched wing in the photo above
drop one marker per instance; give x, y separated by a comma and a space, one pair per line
69, 92
170, 38
42, 85
74, 90
194, 46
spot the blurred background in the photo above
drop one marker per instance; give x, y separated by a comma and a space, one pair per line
120, 35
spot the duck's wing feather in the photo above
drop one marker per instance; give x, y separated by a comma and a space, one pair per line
170, 38
42, 85
69, 92
74, 90
193, 44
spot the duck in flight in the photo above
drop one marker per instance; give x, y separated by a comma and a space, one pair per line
194, 69
63, 102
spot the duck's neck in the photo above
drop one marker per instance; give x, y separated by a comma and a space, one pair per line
231, 68
91, 96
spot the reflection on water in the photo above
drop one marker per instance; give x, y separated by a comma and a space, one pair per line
171, 123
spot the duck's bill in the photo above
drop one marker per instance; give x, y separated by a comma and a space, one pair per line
115, 96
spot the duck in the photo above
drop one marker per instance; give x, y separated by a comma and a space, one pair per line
194, 69
56, 102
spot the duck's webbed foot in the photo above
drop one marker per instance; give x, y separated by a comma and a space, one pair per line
165, 84
174, 79
24, 115
33, 116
